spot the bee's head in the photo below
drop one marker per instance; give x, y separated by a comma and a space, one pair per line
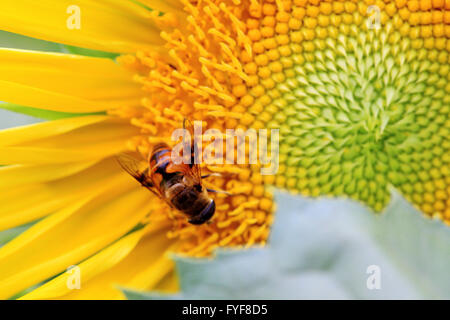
205, 215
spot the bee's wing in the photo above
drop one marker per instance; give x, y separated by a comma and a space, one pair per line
134, 166
194, 169
131, 163
196, 173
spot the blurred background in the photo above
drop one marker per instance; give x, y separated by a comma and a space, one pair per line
10, 119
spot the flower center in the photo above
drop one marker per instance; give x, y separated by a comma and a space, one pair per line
359, 109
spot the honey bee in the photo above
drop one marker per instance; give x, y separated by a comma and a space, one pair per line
179, 185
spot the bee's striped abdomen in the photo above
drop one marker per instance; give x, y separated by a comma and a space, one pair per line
161, 152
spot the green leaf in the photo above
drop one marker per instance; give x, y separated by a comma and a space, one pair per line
88, 52
40, 113
17, 41
325, 249
131, 294
8, 235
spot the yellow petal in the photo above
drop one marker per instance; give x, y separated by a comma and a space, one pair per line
102, 261
99, 133
164, 5
38, 98
101, 274
27, 203
65, 82
30, 155
17, 135
142, 269
169, 284
115, 26
16, 175
84, 144
71, 235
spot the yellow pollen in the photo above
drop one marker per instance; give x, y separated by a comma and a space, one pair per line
203, 73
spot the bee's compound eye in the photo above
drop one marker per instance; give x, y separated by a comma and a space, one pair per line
206, 214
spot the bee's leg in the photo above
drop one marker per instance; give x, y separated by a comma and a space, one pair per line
144, 179
211, 175
171, 215
218, 191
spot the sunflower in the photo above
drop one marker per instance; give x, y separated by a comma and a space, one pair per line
362, 104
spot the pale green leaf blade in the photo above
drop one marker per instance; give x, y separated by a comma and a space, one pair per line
41, 113
88, 52
8, 235
18, 41
327, 249
131, 294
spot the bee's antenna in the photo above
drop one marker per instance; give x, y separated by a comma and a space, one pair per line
211, 175
218, 191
